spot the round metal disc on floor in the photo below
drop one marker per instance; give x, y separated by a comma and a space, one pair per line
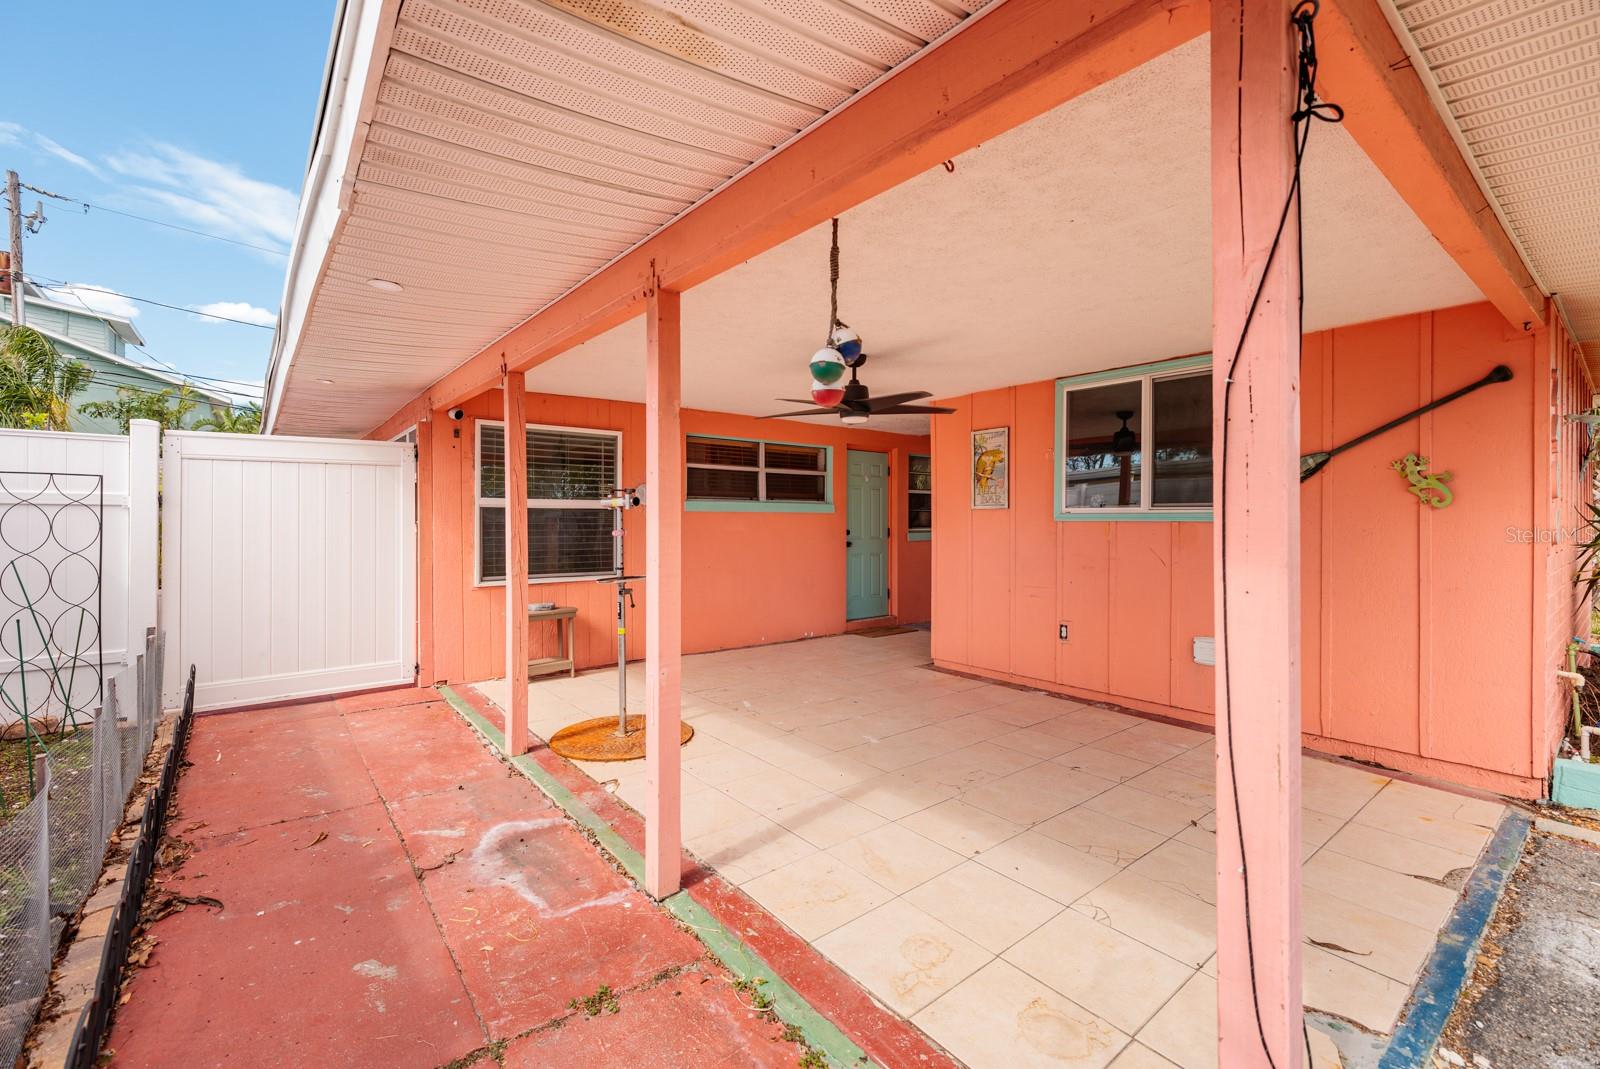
597, 740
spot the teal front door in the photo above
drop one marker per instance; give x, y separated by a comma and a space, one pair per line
867, 536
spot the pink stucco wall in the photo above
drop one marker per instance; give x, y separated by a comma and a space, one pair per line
748, 577
1421, 627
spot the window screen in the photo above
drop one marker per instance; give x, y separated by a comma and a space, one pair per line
565, 469
732, 469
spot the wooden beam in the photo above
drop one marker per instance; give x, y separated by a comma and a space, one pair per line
663, 585
1388, 111
515, 393
1009, 65
1256, 537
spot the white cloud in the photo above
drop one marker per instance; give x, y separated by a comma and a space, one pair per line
96, 298
11, 133
216, 196
62, 152
241, 310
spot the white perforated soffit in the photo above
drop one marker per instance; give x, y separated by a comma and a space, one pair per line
1521, 81
518, 145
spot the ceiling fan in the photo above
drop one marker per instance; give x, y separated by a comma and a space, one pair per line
852, 401
856, 404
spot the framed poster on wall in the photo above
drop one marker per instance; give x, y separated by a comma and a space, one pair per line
991, 468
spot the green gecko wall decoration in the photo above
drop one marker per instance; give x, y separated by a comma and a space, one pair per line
1429, 488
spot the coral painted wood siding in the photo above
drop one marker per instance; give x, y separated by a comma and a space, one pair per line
1419, 624
748, 577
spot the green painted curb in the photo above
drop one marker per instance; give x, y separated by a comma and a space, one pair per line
821, 1034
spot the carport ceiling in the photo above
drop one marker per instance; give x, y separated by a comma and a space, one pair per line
1076, 242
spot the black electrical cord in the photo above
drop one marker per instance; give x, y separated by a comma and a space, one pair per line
1302, 19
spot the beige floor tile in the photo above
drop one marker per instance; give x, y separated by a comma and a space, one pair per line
1334, 985
1103, 763
1182, 868
1406, 898
1337, 790
1089, 724
831, 772
978, 727
1364, 936
1185, 1029
1421, 818
1142, 746
1173, 922
1053, 869
907, 748
902, 955
826, 820
1104, 971
725, 766
1187, 737
1139, 1056
816, 894
894, 795
1035, 793
1035, 743
1400, 796
1165, 815
1098, 835
1028, 710
1000, 1018
963, 828
1397, 853
768, 790
983, 905
969, 766
708, 811
974, 699
782, 749
896, 857
744, 851
841, 734
1168, 782
1201, 761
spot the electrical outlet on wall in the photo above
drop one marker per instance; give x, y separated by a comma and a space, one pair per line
1062, 634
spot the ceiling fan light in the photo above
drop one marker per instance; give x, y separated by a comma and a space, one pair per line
853, 417
1124, 441
827, 366
826, 395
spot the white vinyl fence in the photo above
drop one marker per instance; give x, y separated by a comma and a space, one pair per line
78, 568
289, 565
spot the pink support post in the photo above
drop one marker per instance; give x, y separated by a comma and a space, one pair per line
1256, 536
516, 404
663, 602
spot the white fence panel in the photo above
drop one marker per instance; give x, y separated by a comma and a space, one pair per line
76, 510
291, 565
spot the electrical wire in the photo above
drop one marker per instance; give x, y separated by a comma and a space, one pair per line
49, 283
87, 207
1302, 19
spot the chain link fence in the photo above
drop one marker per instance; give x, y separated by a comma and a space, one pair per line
52, 849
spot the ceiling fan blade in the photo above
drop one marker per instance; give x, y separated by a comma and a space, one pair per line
795, 400
805, 412
878, 404
918, 410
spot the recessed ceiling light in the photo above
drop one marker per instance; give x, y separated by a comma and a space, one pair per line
326, 382
385, 285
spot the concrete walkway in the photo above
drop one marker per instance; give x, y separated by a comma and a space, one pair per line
393, 895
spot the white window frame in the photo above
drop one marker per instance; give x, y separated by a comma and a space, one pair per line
1146, 375
761, 468
481, 502
915, 534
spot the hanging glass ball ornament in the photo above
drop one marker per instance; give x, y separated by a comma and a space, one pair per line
847, 342
827, 366
826, 395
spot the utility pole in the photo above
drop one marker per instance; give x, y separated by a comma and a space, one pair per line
14, 196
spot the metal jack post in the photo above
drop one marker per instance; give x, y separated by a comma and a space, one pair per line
625, 499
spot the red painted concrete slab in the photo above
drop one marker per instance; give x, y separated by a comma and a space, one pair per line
320, 956
693, 1019
393, 895
532, 914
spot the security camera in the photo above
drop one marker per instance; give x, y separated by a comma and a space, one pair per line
458, 414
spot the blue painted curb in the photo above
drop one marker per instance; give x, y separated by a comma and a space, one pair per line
1456, 952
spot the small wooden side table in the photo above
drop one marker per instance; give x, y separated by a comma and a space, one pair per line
566, 621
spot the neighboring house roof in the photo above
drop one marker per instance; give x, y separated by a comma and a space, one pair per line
142, 369
124, 327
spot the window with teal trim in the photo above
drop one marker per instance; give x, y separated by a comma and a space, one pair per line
1139, 443
919, 495
736, 469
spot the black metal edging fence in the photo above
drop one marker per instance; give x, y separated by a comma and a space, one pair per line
90, 1032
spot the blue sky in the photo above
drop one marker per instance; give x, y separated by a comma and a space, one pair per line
198, 114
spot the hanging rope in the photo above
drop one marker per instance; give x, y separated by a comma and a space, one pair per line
834, 322
1302, 20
